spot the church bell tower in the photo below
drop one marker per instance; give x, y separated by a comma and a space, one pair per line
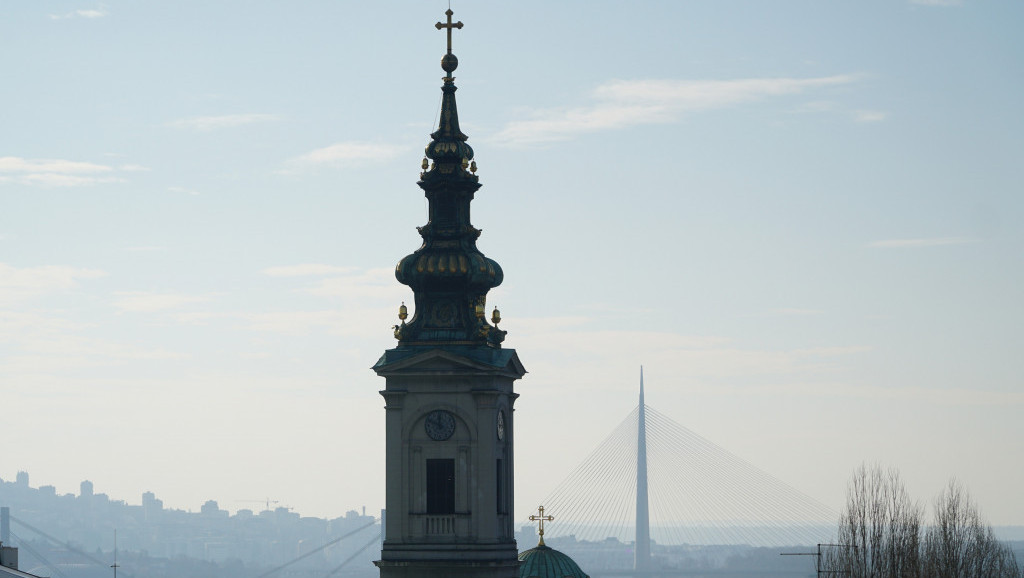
448, 393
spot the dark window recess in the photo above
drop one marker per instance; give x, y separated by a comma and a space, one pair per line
499, 476
440, 486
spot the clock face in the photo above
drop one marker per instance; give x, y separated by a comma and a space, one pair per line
440, 425
501, 425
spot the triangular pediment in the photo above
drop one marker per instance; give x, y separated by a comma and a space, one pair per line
461, 360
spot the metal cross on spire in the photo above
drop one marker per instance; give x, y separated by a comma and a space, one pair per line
449, 26
540, 519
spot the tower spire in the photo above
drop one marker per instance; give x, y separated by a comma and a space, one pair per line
642, 559
449, 395
449, 276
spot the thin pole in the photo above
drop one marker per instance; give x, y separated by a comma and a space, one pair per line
114, 565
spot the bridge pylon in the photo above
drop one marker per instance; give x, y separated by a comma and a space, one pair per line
642, 546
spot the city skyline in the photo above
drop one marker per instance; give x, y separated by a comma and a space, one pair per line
802, 220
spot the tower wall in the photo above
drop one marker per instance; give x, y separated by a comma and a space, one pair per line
476, 538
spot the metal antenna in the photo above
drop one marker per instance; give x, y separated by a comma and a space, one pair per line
114, 565
818, 568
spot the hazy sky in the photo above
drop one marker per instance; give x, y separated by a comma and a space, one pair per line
802, 217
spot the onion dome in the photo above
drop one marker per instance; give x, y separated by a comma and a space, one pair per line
546, 562
449, 276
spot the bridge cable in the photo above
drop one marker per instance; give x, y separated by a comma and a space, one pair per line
375, 540
315, 550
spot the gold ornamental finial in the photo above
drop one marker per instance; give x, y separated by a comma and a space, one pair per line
496, 317
449, 26
403, 312
540, 519
472, 167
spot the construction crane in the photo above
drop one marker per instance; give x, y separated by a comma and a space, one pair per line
267, 502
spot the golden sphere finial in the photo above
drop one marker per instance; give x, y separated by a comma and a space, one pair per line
403, 312
472, 167
425, 165
496, 316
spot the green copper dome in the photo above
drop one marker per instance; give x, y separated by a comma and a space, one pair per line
546, 562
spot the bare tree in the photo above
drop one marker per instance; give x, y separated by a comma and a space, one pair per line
880, 531
960, 545
880, 534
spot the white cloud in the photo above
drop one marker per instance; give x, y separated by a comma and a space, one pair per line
366, 323
702, 359
953, 397
147, 302
306, 269
794, 311
828, 106
869, 116
20, 165
208, 123
202, 317
917, 243
345, 153
82, 351
624, 103
817, 106
133, 168
27, 282
54, 172
376, 284
185, 190
145, 248
36, 344
705, 94
294, 322
83, 13
16, 325
364, 303
58, 180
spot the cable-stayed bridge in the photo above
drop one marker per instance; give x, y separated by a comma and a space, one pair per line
652, 493
652, 482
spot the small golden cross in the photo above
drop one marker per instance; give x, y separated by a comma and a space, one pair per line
449, 26
540, 519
